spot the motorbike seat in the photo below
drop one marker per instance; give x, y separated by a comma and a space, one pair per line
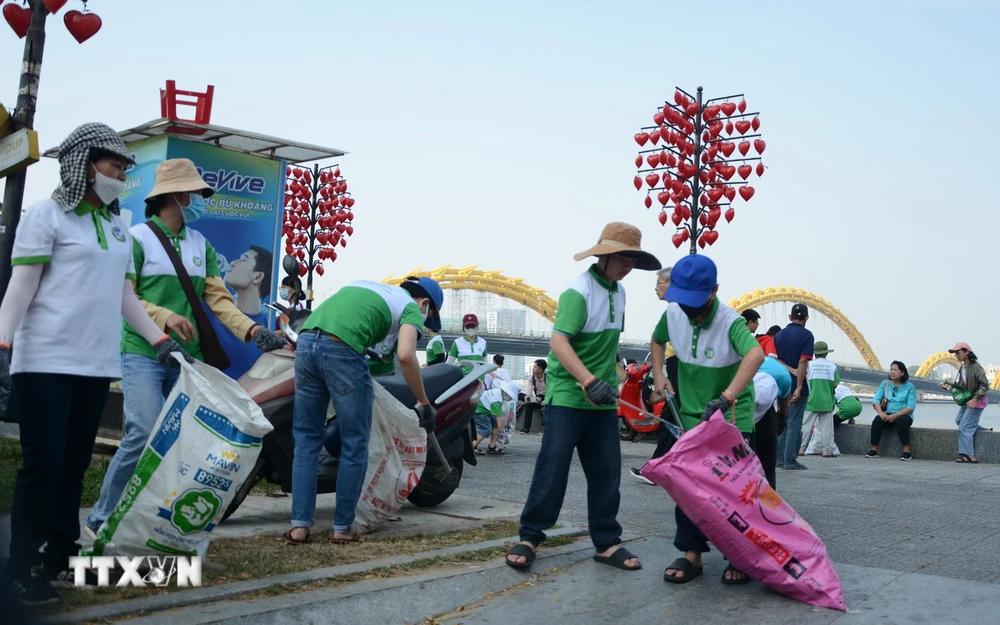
437, 379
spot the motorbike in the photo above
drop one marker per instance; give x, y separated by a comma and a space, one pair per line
270, 382
632, 425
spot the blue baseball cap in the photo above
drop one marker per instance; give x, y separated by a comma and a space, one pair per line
433, 290
692, 280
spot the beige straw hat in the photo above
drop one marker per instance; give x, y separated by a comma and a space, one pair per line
179, 175
624, 239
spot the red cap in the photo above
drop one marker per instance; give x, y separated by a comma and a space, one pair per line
959, 346
470, 320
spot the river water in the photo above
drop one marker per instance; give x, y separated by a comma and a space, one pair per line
935, 415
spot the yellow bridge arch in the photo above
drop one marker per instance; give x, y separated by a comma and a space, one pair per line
947, 358
472, 279
774, 294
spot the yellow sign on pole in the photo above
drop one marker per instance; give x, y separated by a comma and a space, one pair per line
4, 121
17, 151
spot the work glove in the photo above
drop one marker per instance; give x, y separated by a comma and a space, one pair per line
5, 383
599, 392
167, 346
266, 340
720, 403
427, 416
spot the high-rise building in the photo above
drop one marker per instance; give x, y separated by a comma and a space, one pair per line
507, 321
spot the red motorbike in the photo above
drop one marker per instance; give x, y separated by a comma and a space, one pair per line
271, 384
636, 390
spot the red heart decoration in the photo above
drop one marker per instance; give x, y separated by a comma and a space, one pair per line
706, 137
323, 238
652, 179
350, 202
746, 193
648, 201
691, 109
759, 145
742, 106
685, 192
82, 26
703, 219
297, 172
343, 243
671, 160
677, 218
679, 97
349, 216
303, 270
54, 5
705, 158
319, 269
704, 199
755, 124
715, 129
289, 249
728, 108
677, 240
744, 147
638, 160
728, 148
641, 138
730, 193
711, 112
742, 126
711, 237
332, 255
685, 234
713, 151
336, 172
653, 160
729, 128
744, 171
730, 214
662, 217
654, 137
760, 169
308, 176
350, 230
658, 118
663, 197
637, 181
686, 213
727, 171
701, 241
341, 228
18, 18
715, 195
714, 214
301, 254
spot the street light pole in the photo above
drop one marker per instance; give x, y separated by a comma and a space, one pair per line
24, 117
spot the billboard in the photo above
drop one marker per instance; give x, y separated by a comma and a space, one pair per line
242, 222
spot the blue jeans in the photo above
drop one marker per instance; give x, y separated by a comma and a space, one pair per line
145, 385
791, 438
967, 421
327, 370
594, 435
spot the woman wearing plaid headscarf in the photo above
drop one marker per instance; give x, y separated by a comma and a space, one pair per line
69, 290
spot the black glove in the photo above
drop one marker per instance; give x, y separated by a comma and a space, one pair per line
427, 416
720, 403
5, 383
266, 340
600, 393
166, 347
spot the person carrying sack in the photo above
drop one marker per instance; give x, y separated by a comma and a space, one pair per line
176, 278
70, 287
580, 395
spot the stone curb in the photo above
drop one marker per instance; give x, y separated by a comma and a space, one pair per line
227, 591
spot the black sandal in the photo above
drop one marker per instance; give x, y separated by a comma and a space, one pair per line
735, 582
618, 558
287, 536
964, 459
522, 550
494, 451
684, 566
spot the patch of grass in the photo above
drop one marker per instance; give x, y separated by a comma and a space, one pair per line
237, 559
10, 463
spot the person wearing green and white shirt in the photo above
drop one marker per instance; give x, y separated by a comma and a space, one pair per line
718, 358
434, 351
580, 395
823, 378
489, 412
176, 200
330, 365
70, 287
469, 349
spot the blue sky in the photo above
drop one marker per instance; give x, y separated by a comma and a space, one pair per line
501, 135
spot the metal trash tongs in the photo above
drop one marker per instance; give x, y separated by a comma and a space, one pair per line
677, 429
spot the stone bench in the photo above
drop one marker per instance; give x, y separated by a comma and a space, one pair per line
927, 443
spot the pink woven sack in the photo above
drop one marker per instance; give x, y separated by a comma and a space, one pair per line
718, 482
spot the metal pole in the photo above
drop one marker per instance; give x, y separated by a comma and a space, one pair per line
24, 117
696, 180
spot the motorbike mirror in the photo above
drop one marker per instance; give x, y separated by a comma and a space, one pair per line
290, 265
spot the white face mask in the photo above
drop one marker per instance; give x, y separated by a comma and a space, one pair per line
426, 312
107, 189
470, 332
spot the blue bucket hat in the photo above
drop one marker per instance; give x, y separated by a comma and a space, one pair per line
692, 280
433, 290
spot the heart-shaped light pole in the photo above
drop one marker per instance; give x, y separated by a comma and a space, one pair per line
28, 23
318, 217
691, 174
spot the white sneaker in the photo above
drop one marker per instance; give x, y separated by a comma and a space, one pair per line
637, 474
